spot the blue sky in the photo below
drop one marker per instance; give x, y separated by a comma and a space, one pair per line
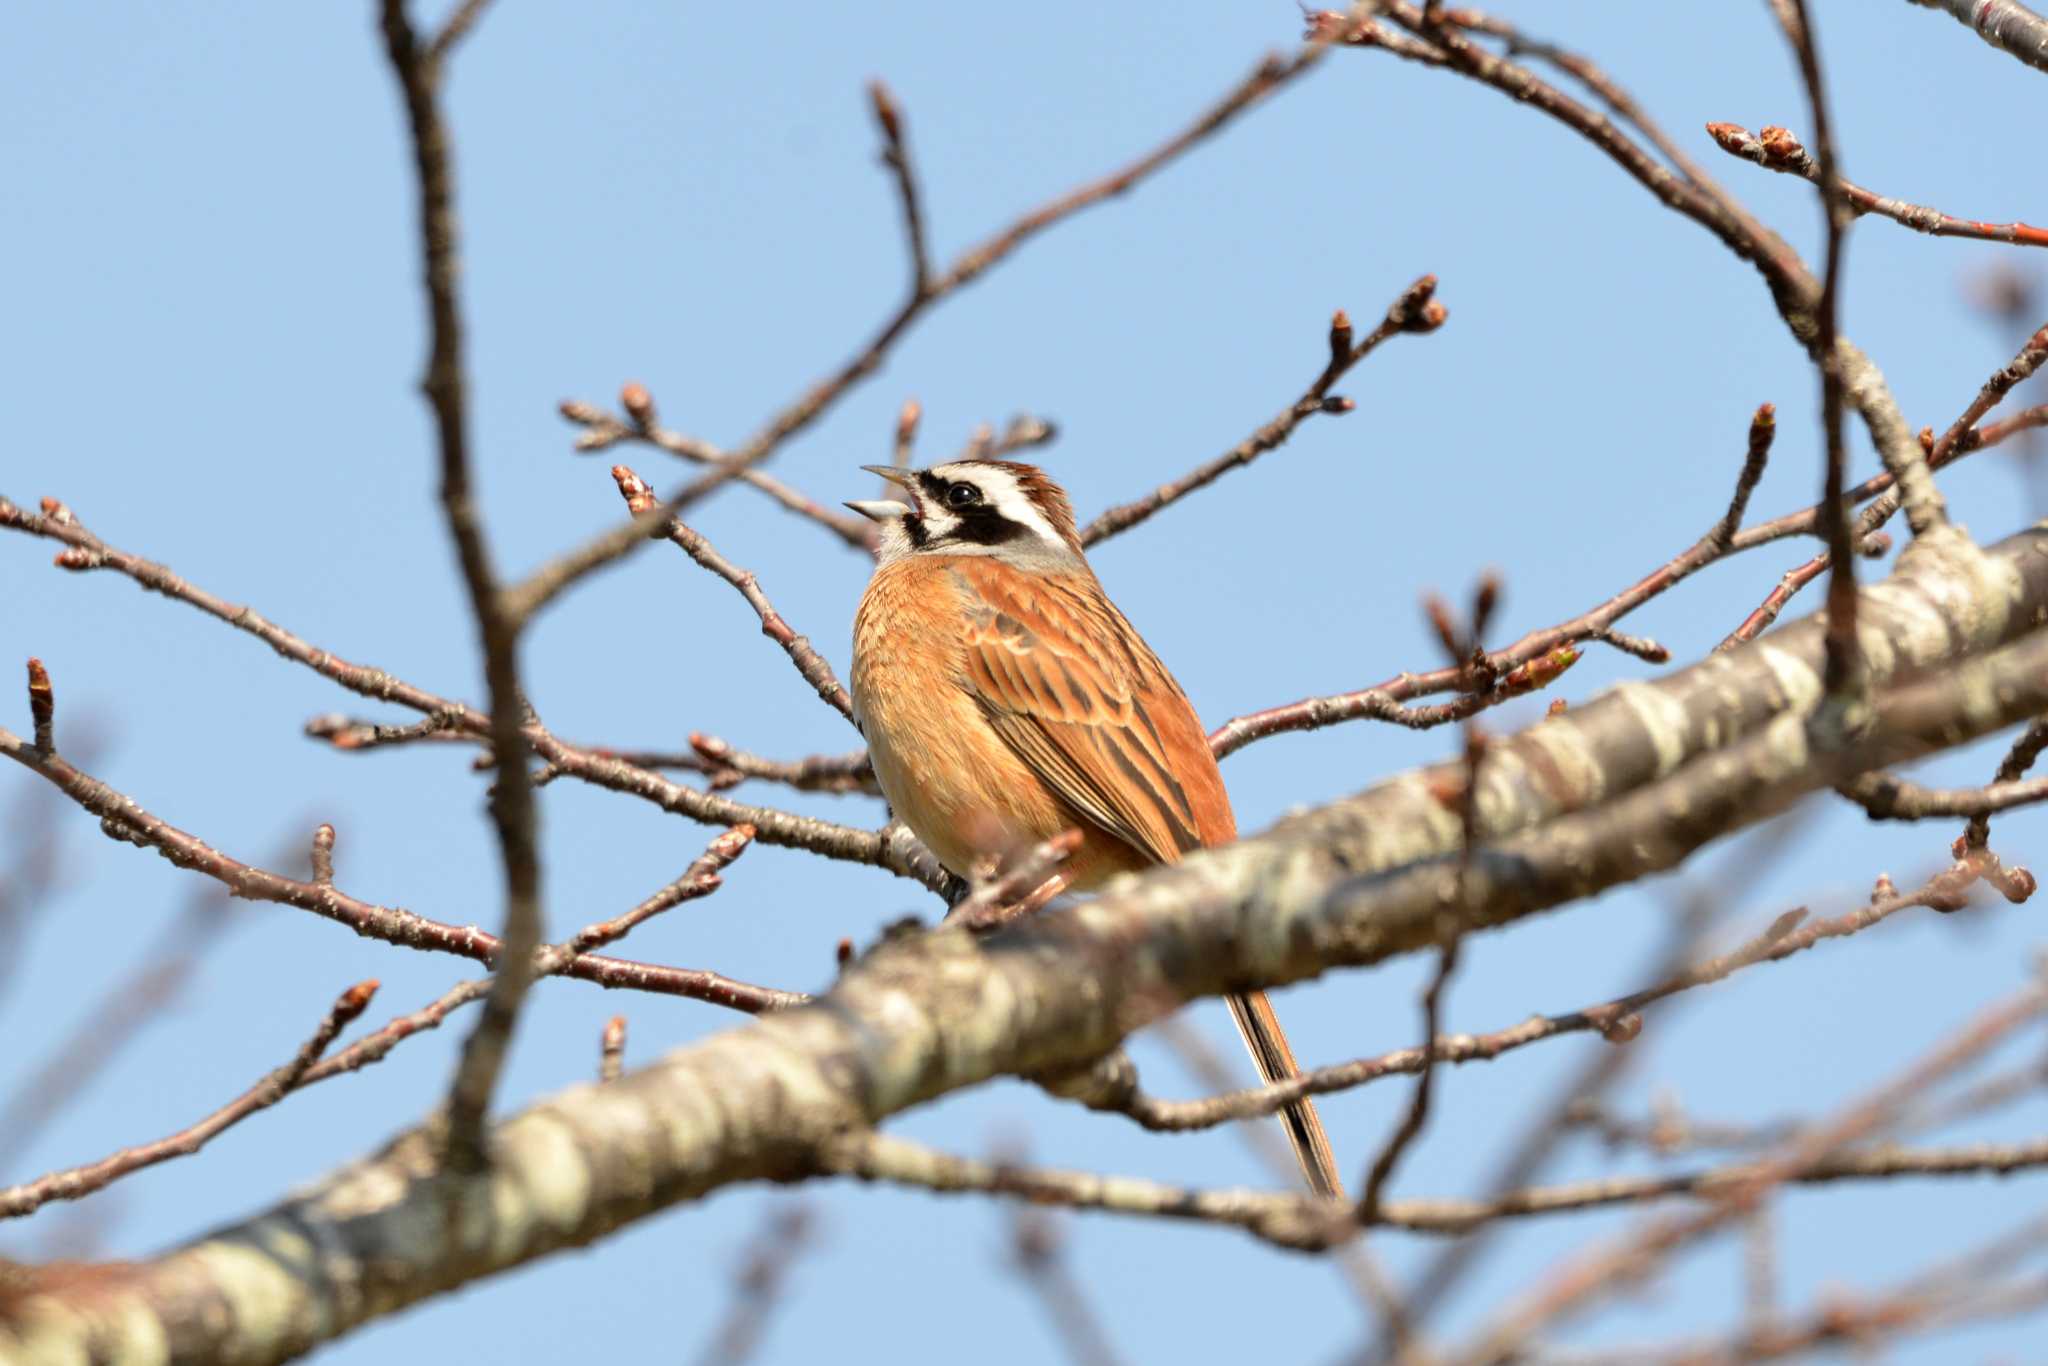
216, 337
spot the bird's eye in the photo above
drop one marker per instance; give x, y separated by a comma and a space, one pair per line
962, 495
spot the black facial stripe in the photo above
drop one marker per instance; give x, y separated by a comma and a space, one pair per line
933, 486
913, 527
983, 525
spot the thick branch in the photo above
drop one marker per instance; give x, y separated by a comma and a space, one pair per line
2004, 24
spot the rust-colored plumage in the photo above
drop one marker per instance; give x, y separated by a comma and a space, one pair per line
1005, 699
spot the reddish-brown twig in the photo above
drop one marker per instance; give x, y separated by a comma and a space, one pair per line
1766, 612
601, 431
725, 765
1416, 310
896, 156
1020, 889
895, 852
812, 665
1777, 149
129, 821
1793, 288
77, 1182
547, 582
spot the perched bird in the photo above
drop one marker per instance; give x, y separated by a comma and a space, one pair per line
1005, 700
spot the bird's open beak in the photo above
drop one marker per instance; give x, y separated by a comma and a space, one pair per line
879, 509
884, 509
900, 477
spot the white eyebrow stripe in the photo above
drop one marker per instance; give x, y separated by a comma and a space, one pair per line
1002, 491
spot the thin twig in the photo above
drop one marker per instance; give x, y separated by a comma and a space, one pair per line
812, 665
2011, 768
1415, 310
1584, 1278
78, 1182
1306, 1224
766, 1266
1618, 1020
1037, 1250
896, 156
1763, 427
601, 431
125, 819
1776, 149
551, 579
1888, 797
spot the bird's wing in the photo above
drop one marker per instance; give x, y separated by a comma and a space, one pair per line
1074, 691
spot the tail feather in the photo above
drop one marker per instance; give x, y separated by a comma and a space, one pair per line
1275, 1061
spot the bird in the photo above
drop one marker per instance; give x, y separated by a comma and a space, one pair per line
1006, 700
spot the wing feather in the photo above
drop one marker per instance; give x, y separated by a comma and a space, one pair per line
1073, 691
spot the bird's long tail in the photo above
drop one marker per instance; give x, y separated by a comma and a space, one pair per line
1275, 1061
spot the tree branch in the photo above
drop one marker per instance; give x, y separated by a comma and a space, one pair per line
1776, 149
514, 812
2004, 24
79, 1182
550, 580
1414, 311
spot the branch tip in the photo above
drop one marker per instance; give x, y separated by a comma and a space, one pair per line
42, 707
323, 855
639, 404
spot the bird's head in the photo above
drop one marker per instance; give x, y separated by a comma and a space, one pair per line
1000, 508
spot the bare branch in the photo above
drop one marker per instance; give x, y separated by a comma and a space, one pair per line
125, 819
513, 809
1414, 311
78, 1182
550, 580
1619, 1021
896, 156
1777, 149
1762, 429
786, 1236
601, 431
1888, 797
1037, 1249
1584, 1278
2005, 24
812, 665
